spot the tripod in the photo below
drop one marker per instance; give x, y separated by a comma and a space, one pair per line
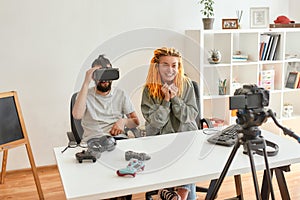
250, 145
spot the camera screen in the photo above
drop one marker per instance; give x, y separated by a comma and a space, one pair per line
237, 102
245, 101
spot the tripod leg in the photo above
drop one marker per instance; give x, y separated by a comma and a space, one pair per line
249, 152
268, 171
265, 188
224, 172
257, 144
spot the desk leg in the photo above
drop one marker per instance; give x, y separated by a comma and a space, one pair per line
282, 182
265, 192
238, 187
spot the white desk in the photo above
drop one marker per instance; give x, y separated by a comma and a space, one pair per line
176, 159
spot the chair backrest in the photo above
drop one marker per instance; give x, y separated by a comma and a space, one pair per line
200, 121
76, 127
197, 96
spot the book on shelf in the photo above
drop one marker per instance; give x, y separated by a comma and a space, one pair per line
272, 55
292, 80
266, 79
261, 50
269, 46
239, 57
264, 39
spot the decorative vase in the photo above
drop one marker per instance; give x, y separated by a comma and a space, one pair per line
208, 23
215, 56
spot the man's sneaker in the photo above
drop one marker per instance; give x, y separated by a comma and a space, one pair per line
165, 194
139, 156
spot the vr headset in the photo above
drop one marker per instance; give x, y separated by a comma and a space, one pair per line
106, 74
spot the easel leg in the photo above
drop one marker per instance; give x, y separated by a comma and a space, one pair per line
34, 171
4, 162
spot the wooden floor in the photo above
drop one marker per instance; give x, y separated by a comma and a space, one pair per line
20, 185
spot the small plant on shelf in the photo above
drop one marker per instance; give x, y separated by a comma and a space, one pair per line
215, 56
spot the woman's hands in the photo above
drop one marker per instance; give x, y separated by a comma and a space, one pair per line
169, 91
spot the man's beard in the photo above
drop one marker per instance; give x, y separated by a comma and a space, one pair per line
103, 88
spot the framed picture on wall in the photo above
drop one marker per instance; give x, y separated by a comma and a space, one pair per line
230, 23
259, 17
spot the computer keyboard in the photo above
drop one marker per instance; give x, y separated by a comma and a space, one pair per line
226, 137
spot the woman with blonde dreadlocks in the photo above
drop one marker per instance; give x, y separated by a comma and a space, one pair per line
168, 102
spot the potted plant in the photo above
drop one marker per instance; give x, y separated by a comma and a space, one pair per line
208, 11
215, 56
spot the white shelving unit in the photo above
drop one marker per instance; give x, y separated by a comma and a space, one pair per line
246, 72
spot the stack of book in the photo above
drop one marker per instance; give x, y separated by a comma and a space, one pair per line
269, 46
239, 57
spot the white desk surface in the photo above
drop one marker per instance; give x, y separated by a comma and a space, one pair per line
176, 159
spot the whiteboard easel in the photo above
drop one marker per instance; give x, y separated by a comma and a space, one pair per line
13, 133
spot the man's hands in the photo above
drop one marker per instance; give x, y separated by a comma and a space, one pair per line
169, 91
89, 74
118, 127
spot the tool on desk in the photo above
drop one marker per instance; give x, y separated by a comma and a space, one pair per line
140, 156
85, 155
132, 168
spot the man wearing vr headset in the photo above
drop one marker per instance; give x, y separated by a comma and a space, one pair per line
102, 108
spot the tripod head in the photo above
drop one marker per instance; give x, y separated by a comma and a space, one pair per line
250, 102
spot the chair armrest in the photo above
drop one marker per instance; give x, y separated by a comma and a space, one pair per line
207, 122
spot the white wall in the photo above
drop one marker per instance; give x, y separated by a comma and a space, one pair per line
294, 13
47, 45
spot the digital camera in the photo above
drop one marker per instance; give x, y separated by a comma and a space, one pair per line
249, 97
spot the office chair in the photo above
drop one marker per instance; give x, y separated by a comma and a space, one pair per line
200, 123
76, 128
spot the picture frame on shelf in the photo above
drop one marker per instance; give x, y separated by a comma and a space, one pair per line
230, 24
259, 17
292, 80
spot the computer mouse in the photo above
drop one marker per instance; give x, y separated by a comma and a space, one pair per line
102, 143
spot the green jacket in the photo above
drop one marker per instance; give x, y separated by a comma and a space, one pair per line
170, 117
